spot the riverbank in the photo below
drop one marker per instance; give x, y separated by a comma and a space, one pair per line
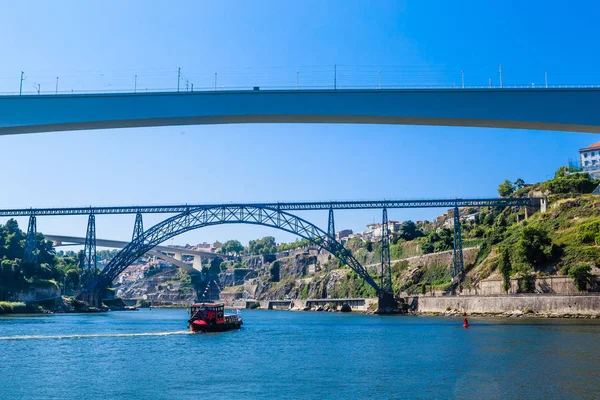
59, 305
541, 305
512, 306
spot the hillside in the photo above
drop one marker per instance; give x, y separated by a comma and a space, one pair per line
500, 243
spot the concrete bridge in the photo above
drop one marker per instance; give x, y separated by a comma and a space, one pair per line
161, 252
556, 109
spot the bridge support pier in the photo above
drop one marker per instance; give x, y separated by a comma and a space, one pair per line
387, 303
386, 269
93, 298
459, 264
331, 225
89, 250
138, 227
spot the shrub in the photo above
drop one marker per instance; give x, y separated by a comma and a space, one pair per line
535, 245
589, 232
7, 307
581, 276
527, 283
505, 267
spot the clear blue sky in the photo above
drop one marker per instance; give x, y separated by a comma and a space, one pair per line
102, 45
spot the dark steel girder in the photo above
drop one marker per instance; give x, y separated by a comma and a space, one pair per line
227, 214
286, 206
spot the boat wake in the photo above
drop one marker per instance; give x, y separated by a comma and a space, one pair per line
95, 335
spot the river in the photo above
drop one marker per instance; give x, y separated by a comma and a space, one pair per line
296, 355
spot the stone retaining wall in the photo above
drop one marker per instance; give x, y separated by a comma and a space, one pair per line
544, 304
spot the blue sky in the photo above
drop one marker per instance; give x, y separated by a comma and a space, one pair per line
103, 45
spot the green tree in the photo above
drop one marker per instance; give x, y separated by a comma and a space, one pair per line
535, 245
232, 247
581, 276
266, 245
564, 171
506, 188
408, 231
427, 248
505, 267
519, 183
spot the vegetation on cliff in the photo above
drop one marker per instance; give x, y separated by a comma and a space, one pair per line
16, 274
563, 240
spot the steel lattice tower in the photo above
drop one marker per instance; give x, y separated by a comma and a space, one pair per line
31, 252
386, 271
331, 225
459, 265
138, 227
89, 250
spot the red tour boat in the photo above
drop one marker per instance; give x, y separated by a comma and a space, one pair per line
211, 317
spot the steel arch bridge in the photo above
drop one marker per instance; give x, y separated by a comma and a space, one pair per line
227, 214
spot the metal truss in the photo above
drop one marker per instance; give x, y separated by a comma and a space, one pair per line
331, 225
89, 250
227, 214
138, 227
298, 206
31, 252
459, 264
386, 270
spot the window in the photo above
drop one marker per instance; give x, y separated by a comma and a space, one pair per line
594, 162
593, 154
585, 154
587, 163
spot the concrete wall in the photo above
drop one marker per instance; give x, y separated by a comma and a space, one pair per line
547, 304
35, 294
550, 284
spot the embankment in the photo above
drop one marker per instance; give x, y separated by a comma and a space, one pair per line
585, 305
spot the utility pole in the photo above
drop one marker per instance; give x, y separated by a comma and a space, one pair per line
490, 81
38, 89
187, 85
192, 87
178, 77
56, 88
462, 76
215, 81
546, 78
297, 80
500, 71
335, 77
135, 84
21, 86
379, 80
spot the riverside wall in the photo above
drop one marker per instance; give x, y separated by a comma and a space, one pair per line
548, 284
552, 305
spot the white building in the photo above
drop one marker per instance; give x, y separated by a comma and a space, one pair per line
590, 159
374, 231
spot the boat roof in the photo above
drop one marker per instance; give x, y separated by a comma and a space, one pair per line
207, 304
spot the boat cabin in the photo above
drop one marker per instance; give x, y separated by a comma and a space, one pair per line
212, 313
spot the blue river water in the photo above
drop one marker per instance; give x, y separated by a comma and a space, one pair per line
296, 355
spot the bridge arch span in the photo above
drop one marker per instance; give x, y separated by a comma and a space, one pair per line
227, 214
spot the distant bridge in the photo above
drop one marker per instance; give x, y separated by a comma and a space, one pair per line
161, 252
555, 109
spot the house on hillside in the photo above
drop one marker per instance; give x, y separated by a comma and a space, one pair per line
590, 159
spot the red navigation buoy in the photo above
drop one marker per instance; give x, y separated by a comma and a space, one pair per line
466, 323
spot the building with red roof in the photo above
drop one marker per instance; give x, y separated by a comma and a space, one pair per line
590, 159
